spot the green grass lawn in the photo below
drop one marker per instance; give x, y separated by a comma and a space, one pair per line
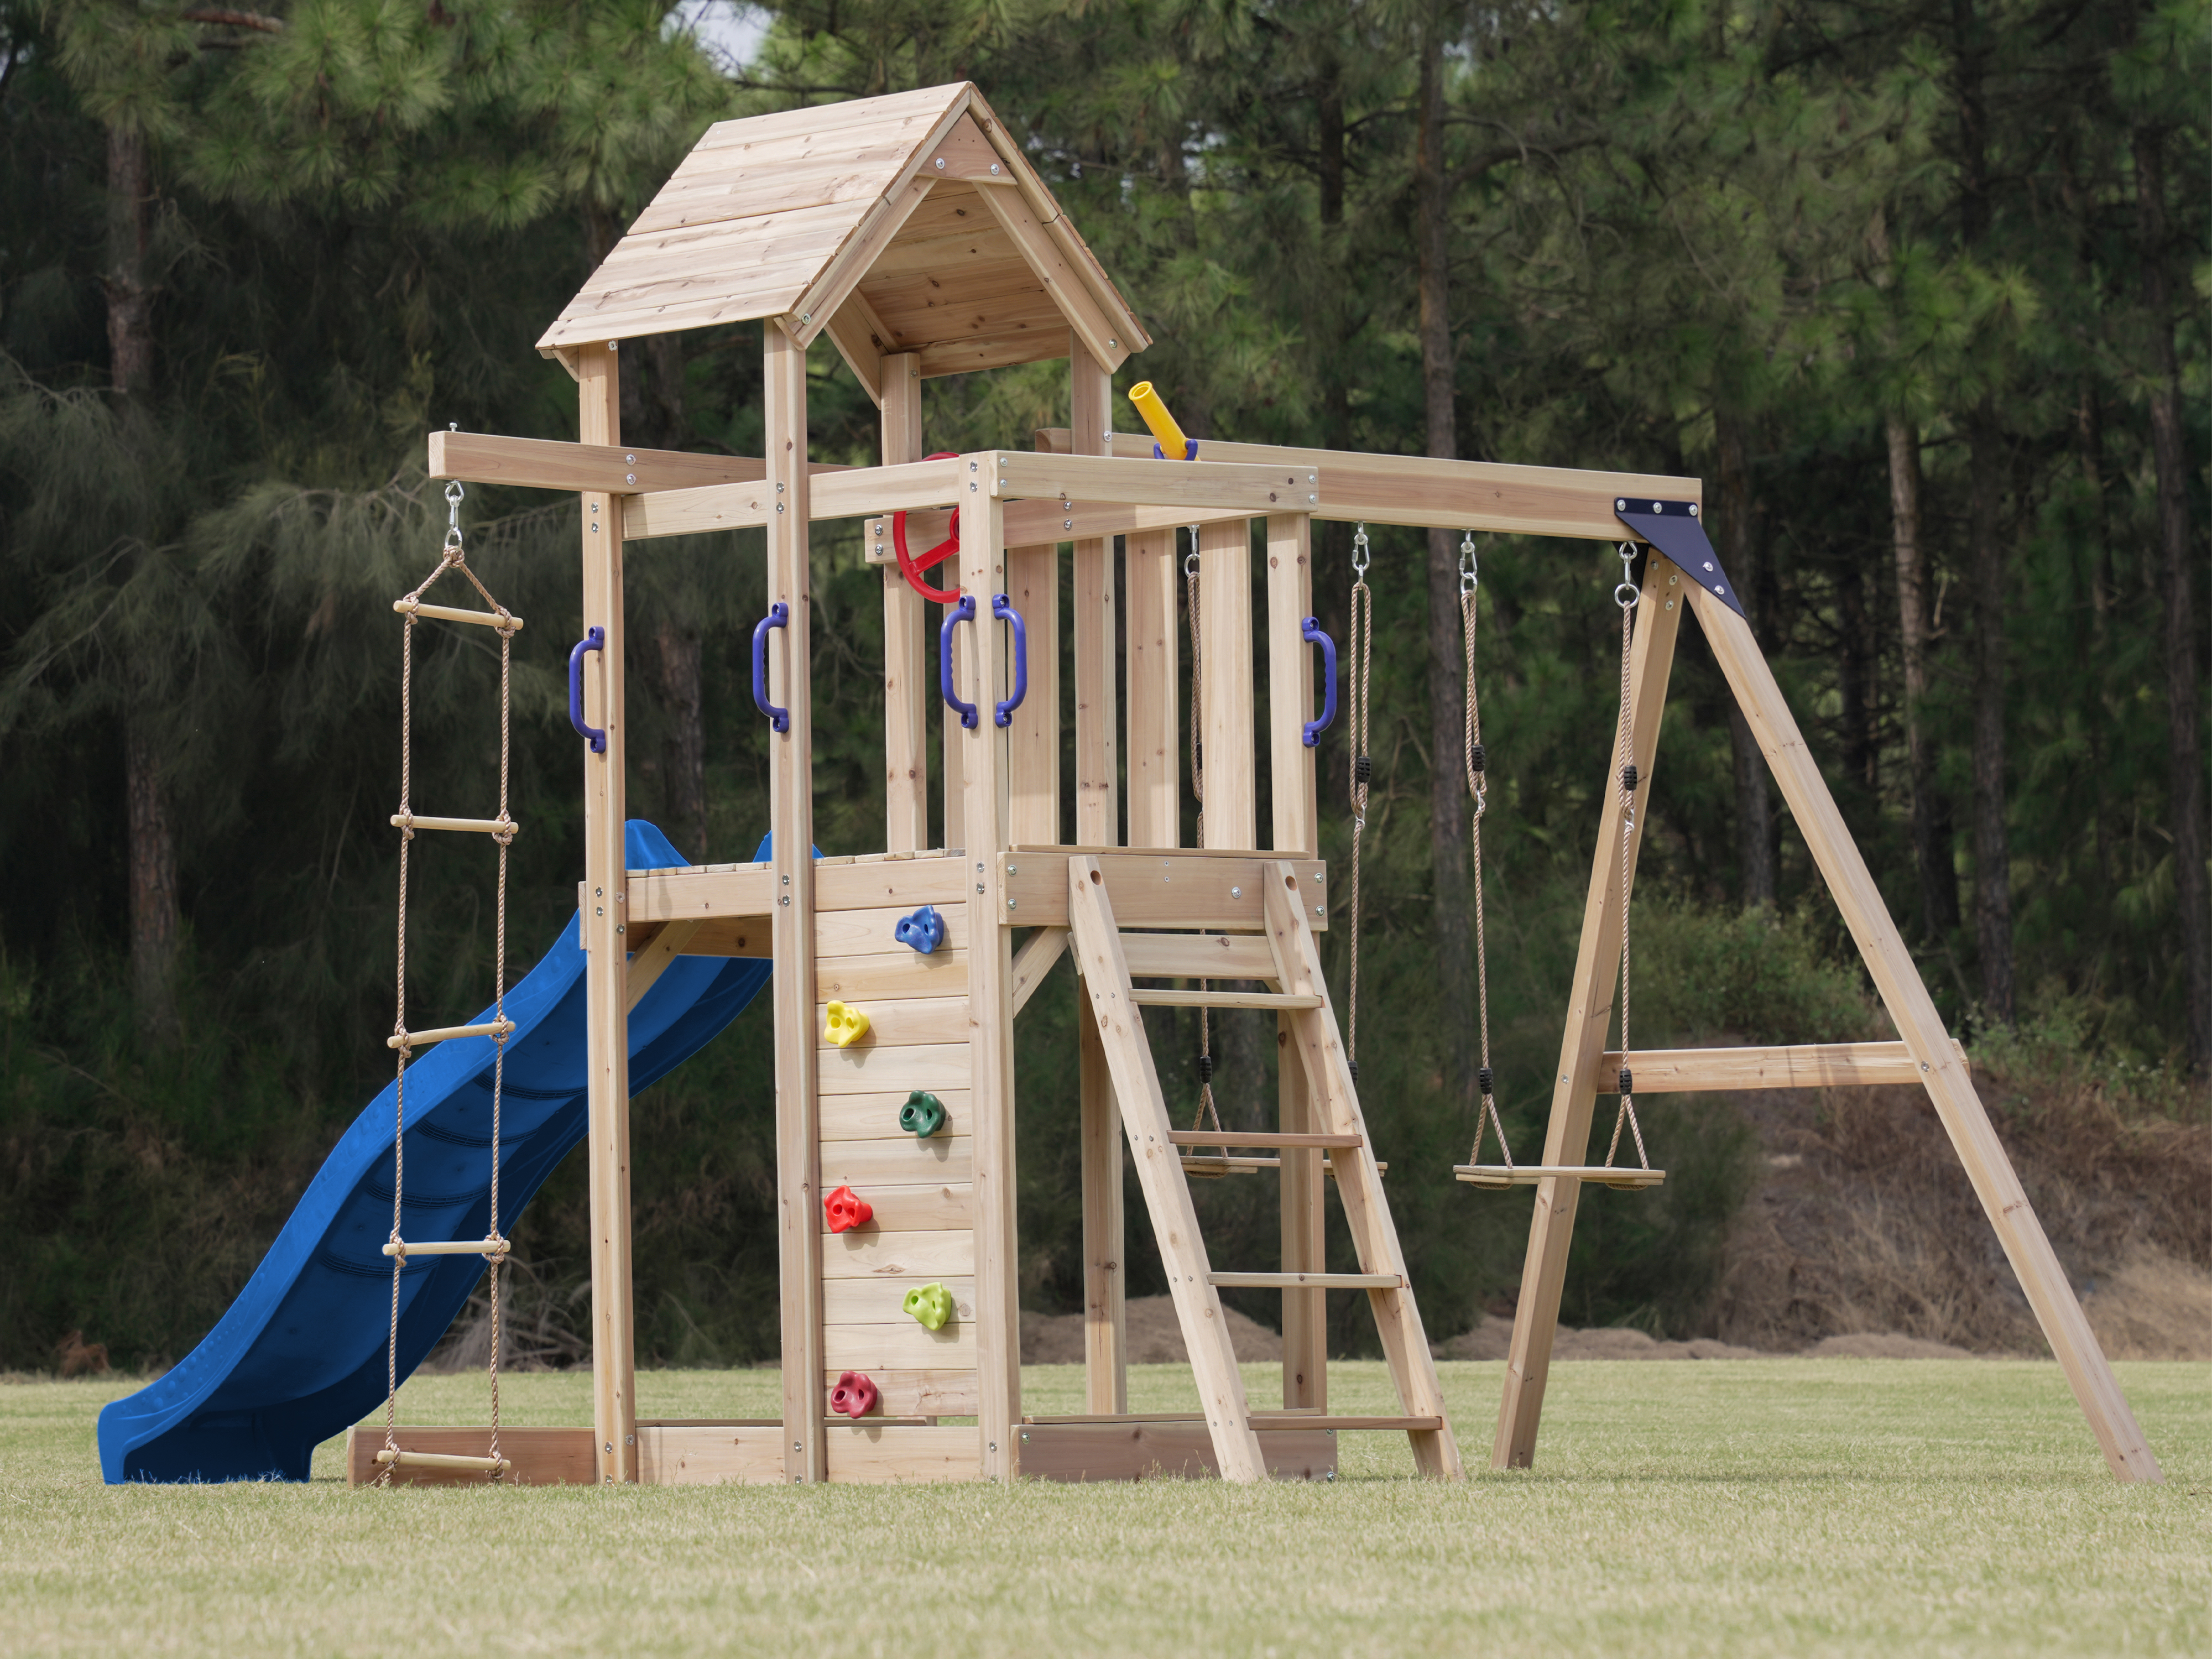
1778, 1506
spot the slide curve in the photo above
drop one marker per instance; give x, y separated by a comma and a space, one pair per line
300, 1356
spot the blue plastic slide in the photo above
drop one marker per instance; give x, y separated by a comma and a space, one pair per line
300, 1356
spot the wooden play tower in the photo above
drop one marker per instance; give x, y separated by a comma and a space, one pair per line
912, 232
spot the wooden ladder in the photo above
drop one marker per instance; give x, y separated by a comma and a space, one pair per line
1294, 964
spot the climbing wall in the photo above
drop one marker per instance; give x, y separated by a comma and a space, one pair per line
919, 1189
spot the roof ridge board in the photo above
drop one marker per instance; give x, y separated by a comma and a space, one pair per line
776, 122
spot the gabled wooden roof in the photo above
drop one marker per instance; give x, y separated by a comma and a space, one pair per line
911, 224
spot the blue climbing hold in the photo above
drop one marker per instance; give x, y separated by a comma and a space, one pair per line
924, 930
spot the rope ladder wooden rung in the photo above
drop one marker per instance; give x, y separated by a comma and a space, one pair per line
447, 1033
498, 826
455, 613
486, 1248
404, 1459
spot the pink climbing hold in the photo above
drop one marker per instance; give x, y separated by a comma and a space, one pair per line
853, 1397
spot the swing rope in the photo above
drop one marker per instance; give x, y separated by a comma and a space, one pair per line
453, 556
1205, 1111
1625, 596
1477, 786
1360, 643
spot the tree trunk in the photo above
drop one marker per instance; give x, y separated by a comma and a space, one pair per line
151, 848
1448, 801
154, 916
1992, 839
1754, 818
2185, 762
1931, 850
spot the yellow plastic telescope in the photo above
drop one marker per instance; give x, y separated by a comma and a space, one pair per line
1173, 444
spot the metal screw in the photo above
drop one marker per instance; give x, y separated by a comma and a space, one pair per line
610, 1446
618, 928
632, 459
1320, 910
632, 1439
1068, 524
940, 164
1009, 904
1113, 343
994, 174
1013, 869
786, 899
599, 909
805, 316
1237, 892
629, 477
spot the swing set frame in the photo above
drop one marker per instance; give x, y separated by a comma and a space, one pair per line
1113, 898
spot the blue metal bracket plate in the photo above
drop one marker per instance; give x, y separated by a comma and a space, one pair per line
1677, 530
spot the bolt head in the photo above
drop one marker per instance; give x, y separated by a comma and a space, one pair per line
1237, 892
629, 477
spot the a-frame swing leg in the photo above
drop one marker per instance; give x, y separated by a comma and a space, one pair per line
1949, 1088
1589, 1013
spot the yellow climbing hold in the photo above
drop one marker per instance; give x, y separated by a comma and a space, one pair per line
844, 1026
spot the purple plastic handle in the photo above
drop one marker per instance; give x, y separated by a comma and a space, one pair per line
964, 611
595, 639
1310, 631
778, 616
1003, 609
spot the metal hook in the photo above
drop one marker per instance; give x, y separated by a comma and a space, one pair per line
1359, 552
1470, 568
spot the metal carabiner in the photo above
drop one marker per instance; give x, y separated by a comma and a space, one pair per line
1190, 559
1360, 550
1469, 567
1627, 562
453, 494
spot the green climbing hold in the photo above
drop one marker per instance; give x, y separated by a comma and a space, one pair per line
931, 1304
923, 1114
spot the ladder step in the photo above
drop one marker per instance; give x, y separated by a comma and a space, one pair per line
1255, 1138
1278, 999
484, 1247
422, 1459
446, 1033
1499, 1177
481, 826
1200, 956
1207, 1169
1306, 1281
1264, 1422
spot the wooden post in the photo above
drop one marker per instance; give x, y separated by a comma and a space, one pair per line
1942, 1069
1097, 815
1155, 767
1105, 1316
906, 687
1224, 604
1589, 1010
1033, 739
990, 987
1097, 823
1297, 832
614, 1332
791, 930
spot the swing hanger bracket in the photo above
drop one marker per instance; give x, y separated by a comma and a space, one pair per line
1677, 529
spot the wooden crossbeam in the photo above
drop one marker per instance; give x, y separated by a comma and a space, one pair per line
1412, 490
1800, 1066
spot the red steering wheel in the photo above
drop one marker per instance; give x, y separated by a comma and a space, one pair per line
911, 567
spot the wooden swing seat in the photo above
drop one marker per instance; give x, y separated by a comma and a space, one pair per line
1497, 1176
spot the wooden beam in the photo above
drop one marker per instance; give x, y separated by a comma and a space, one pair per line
614, 1379
838, 492
1589, 1010
906, 690
1156, 890
1802, 1066
1411, 489
1255, 489
982, 676
1039, 952
860, 344
1155, 765
650, 958
791, 925
1097, 765
609, 469
1105, 1317
1913, 1012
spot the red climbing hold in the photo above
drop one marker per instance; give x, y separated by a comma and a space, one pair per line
847, 1210
853, 1397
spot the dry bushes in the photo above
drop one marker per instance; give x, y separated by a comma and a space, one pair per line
1866, 1222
